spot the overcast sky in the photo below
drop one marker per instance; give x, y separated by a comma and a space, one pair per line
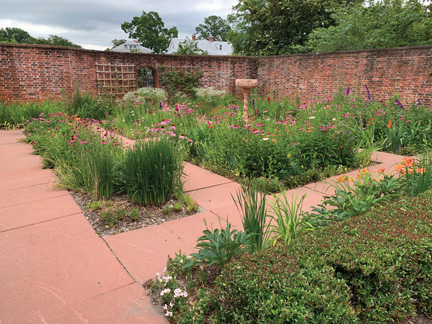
94, 23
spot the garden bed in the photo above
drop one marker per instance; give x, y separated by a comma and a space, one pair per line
124, 216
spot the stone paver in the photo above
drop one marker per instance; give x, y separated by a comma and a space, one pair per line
55, 269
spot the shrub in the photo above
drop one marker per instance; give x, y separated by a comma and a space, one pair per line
179, 83
376, 267
274, 287
152, 171
146, 95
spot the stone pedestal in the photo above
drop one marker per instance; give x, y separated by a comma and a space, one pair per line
246, 85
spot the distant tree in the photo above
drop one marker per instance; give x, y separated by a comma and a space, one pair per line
376, 24
269, 27
15, 35
118, 42
149, 30
56, 41
189, 47
213, 26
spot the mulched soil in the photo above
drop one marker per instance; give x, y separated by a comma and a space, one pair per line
148, 215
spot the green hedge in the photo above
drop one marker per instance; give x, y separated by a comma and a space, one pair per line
375, 268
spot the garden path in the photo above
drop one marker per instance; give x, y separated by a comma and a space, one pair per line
55, 269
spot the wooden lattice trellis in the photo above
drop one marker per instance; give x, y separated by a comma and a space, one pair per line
115, 79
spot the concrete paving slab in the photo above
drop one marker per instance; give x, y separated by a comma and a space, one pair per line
198, 178
37, 212
145, 251
26, 177
18, 161
217, 196
10, 136
229, 213
189, 229
128, 304
12, 149
47, 267
30, 194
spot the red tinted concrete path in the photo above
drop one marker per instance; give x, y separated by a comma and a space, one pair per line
53, 266
55, 269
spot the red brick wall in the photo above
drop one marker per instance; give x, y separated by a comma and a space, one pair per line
34, 72
405, 71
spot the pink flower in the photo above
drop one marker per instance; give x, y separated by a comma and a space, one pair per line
83, 142
116, 144
190, 140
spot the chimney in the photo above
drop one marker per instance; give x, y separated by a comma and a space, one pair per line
194, 38
211, 39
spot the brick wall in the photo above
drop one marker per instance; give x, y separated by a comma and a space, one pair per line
406, 71
35, 72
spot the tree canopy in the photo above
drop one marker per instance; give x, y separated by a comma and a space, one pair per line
375, 24
213, 26
18, 35
189, 47
271, 27
150, 31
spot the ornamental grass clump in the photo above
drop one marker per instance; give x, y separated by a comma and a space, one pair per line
152, 172
252, 205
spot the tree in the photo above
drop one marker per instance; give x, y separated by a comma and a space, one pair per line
55, 40
190, 47
118, 42
149, 30
213, 26
383, 24
271, 27
15, 35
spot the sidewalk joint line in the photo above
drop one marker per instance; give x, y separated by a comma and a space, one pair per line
38, 223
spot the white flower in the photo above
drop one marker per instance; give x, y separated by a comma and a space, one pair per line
165, 291
265, 139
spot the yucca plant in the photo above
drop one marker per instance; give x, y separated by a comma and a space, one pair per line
152, 172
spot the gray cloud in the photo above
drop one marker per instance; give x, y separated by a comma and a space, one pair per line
94, 23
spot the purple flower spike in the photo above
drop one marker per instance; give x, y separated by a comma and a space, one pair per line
347, 92
160, 104
368, 92
253, 102
399, 104
419, 102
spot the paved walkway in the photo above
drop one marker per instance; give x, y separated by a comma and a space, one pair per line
55, 269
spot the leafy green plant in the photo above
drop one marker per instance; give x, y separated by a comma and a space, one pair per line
367, 191
152, 172
134, 214
94, 205
290, 222
252, 205
178, 83
110, 216
167, 210
219, 246
416, 174
177, 207
87, 106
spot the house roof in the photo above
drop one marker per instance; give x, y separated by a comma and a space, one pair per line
131, 45
212, 48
